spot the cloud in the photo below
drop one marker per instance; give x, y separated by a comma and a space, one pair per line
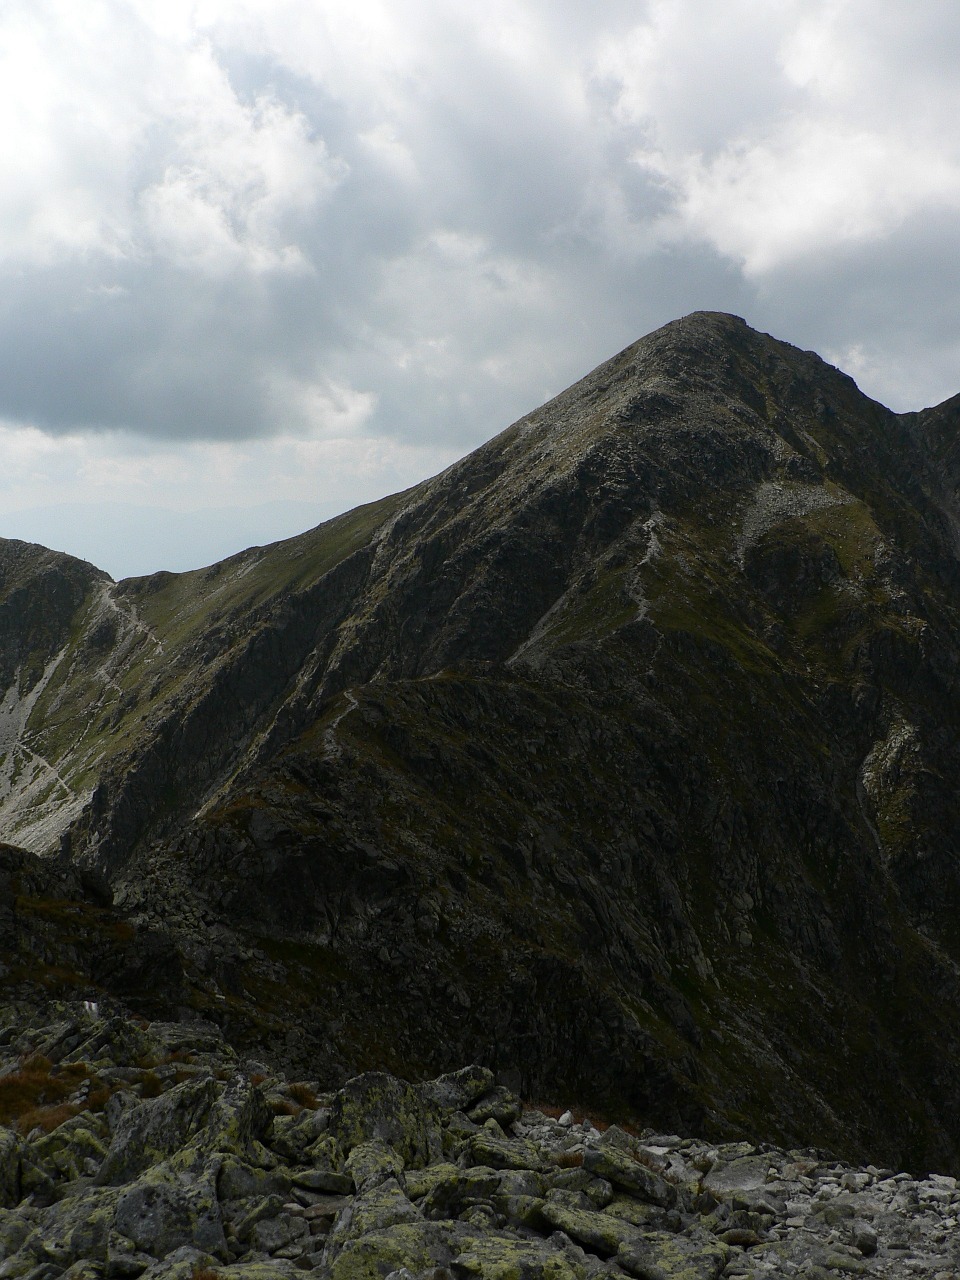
151, 505
129, 143
817, 132
235, 229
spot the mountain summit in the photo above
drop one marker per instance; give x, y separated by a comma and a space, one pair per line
621, 756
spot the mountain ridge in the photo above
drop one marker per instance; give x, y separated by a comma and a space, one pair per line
620, 752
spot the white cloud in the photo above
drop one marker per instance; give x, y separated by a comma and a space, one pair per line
64, 493
122, 136
255, 250
781, 131
321, 410
807, 189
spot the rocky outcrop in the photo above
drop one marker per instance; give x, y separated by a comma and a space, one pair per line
60, 934
618, 758
176, 1166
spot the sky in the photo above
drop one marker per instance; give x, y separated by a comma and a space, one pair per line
263, 260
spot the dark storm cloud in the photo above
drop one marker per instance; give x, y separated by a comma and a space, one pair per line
470, 198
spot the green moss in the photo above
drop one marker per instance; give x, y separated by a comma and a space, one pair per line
187, 604
593, 610
157, 664
75, 917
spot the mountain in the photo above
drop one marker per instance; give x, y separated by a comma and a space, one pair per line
621, 757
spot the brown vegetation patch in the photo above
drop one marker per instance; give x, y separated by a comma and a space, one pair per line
47, 1118
151, 1086
35, 1095
568, 1159
304, 1094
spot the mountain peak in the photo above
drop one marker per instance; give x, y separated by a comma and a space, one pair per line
614, 755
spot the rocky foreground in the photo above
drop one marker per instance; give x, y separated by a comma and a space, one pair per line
131, 1149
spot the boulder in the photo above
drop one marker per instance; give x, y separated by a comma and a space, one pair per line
371, 1163
379, 1106
161, 1211
377, 1210
9, 1167
625, 1172
458, 1090
663, 1256
156, 1129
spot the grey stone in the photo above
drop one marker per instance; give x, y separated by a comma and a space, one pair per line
270, 1235
379, 1106
622, 1171
161, 1212
673, 1257
9, 1167
458, 1090
370, 1163
156, 1129
498, 1104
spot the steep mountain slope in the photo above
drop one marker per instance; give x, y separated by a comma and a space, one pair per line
621, 755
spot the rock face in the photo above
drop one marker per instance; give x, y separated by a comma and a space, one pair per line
620, 758
180, 1165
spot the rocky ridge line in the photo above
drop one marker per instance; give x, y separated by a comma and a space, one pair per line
639, 717
151, 1150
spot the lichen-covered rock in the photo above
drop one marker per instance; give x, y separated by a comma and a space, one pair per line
497, 1257
123, 1257
742, 1173
629, 1174
458, 1090
84, 1270
251, 1213
415, 1246
382, 1207
597, 1231
673, 1257
597, 1190
258, 1270
283, 1231
110, 1040
325, 1153
156, 1129
180, 1264
9, 1167
237, 1180
74, 1149
461, 1190
322, 1181
237, 1122
521, 1182
293, 1136
161, 1212
14, 1229
229, 1199
72, 1229
500, 1152
498, 1104
420, 1182
379, 1106
638, 1212
370, 1163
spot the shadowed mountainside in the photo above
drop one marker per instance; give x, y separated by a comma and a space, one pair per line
620, 756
